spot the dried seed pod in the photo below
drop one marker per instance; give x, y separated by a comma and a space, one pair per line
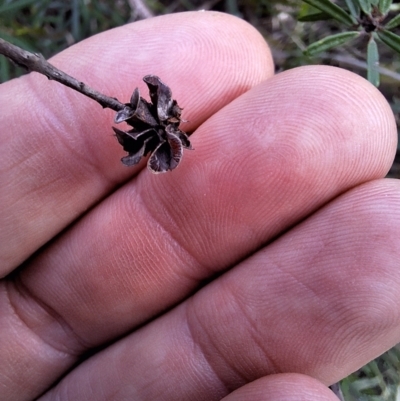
155, 128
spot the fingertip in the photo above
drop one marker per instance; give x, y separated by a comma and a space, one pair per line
319, 113
348, 104
198, 54
283, 387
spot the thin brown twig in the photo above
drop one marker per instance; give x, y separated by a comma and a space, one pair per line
36, 62
140, 9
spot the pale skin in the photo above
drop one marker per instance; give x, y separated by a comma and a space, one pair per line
281, 208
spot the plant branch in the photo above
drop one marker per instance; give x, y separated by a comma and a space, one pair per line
36, 62
139, 9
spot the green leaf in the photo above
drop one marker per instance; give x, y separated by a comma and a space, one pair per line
314, 17
390, 39
354, 8
4, 69
332, 9
15, 5
373, 62
384, 6
330, 41
365, 6
17, 41
393, 23
75, 19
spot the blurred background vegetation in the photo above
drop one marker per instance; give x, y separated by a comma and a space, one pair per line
49, 26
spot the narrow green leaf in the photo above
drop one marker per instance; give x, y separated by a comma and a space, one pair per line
393, 23
390, 39
75, 20
365, 6
332, 9
384, 6
15, 5
4, 70
354, 8
373, 62
232, 7
329, 42
314, 17
17, 41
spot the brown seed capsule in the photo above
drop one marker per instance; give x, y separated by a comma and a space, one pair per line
155, 128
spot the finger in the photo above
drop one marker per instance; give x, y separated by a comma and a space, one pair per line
261, 164
283, 387
322, 300
242, 186
59, 156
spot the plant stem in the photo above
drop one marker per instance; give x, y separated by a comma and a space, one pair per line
36, 62
140, 9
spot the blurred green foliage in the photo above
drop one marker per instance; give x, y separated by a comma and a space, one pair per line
376, 381
49, 26
366, 18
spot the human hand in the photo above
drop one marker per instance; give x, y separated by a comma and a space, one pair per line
114, 296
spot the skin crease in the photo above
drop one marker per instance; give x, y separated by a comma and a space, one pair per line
283, 201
